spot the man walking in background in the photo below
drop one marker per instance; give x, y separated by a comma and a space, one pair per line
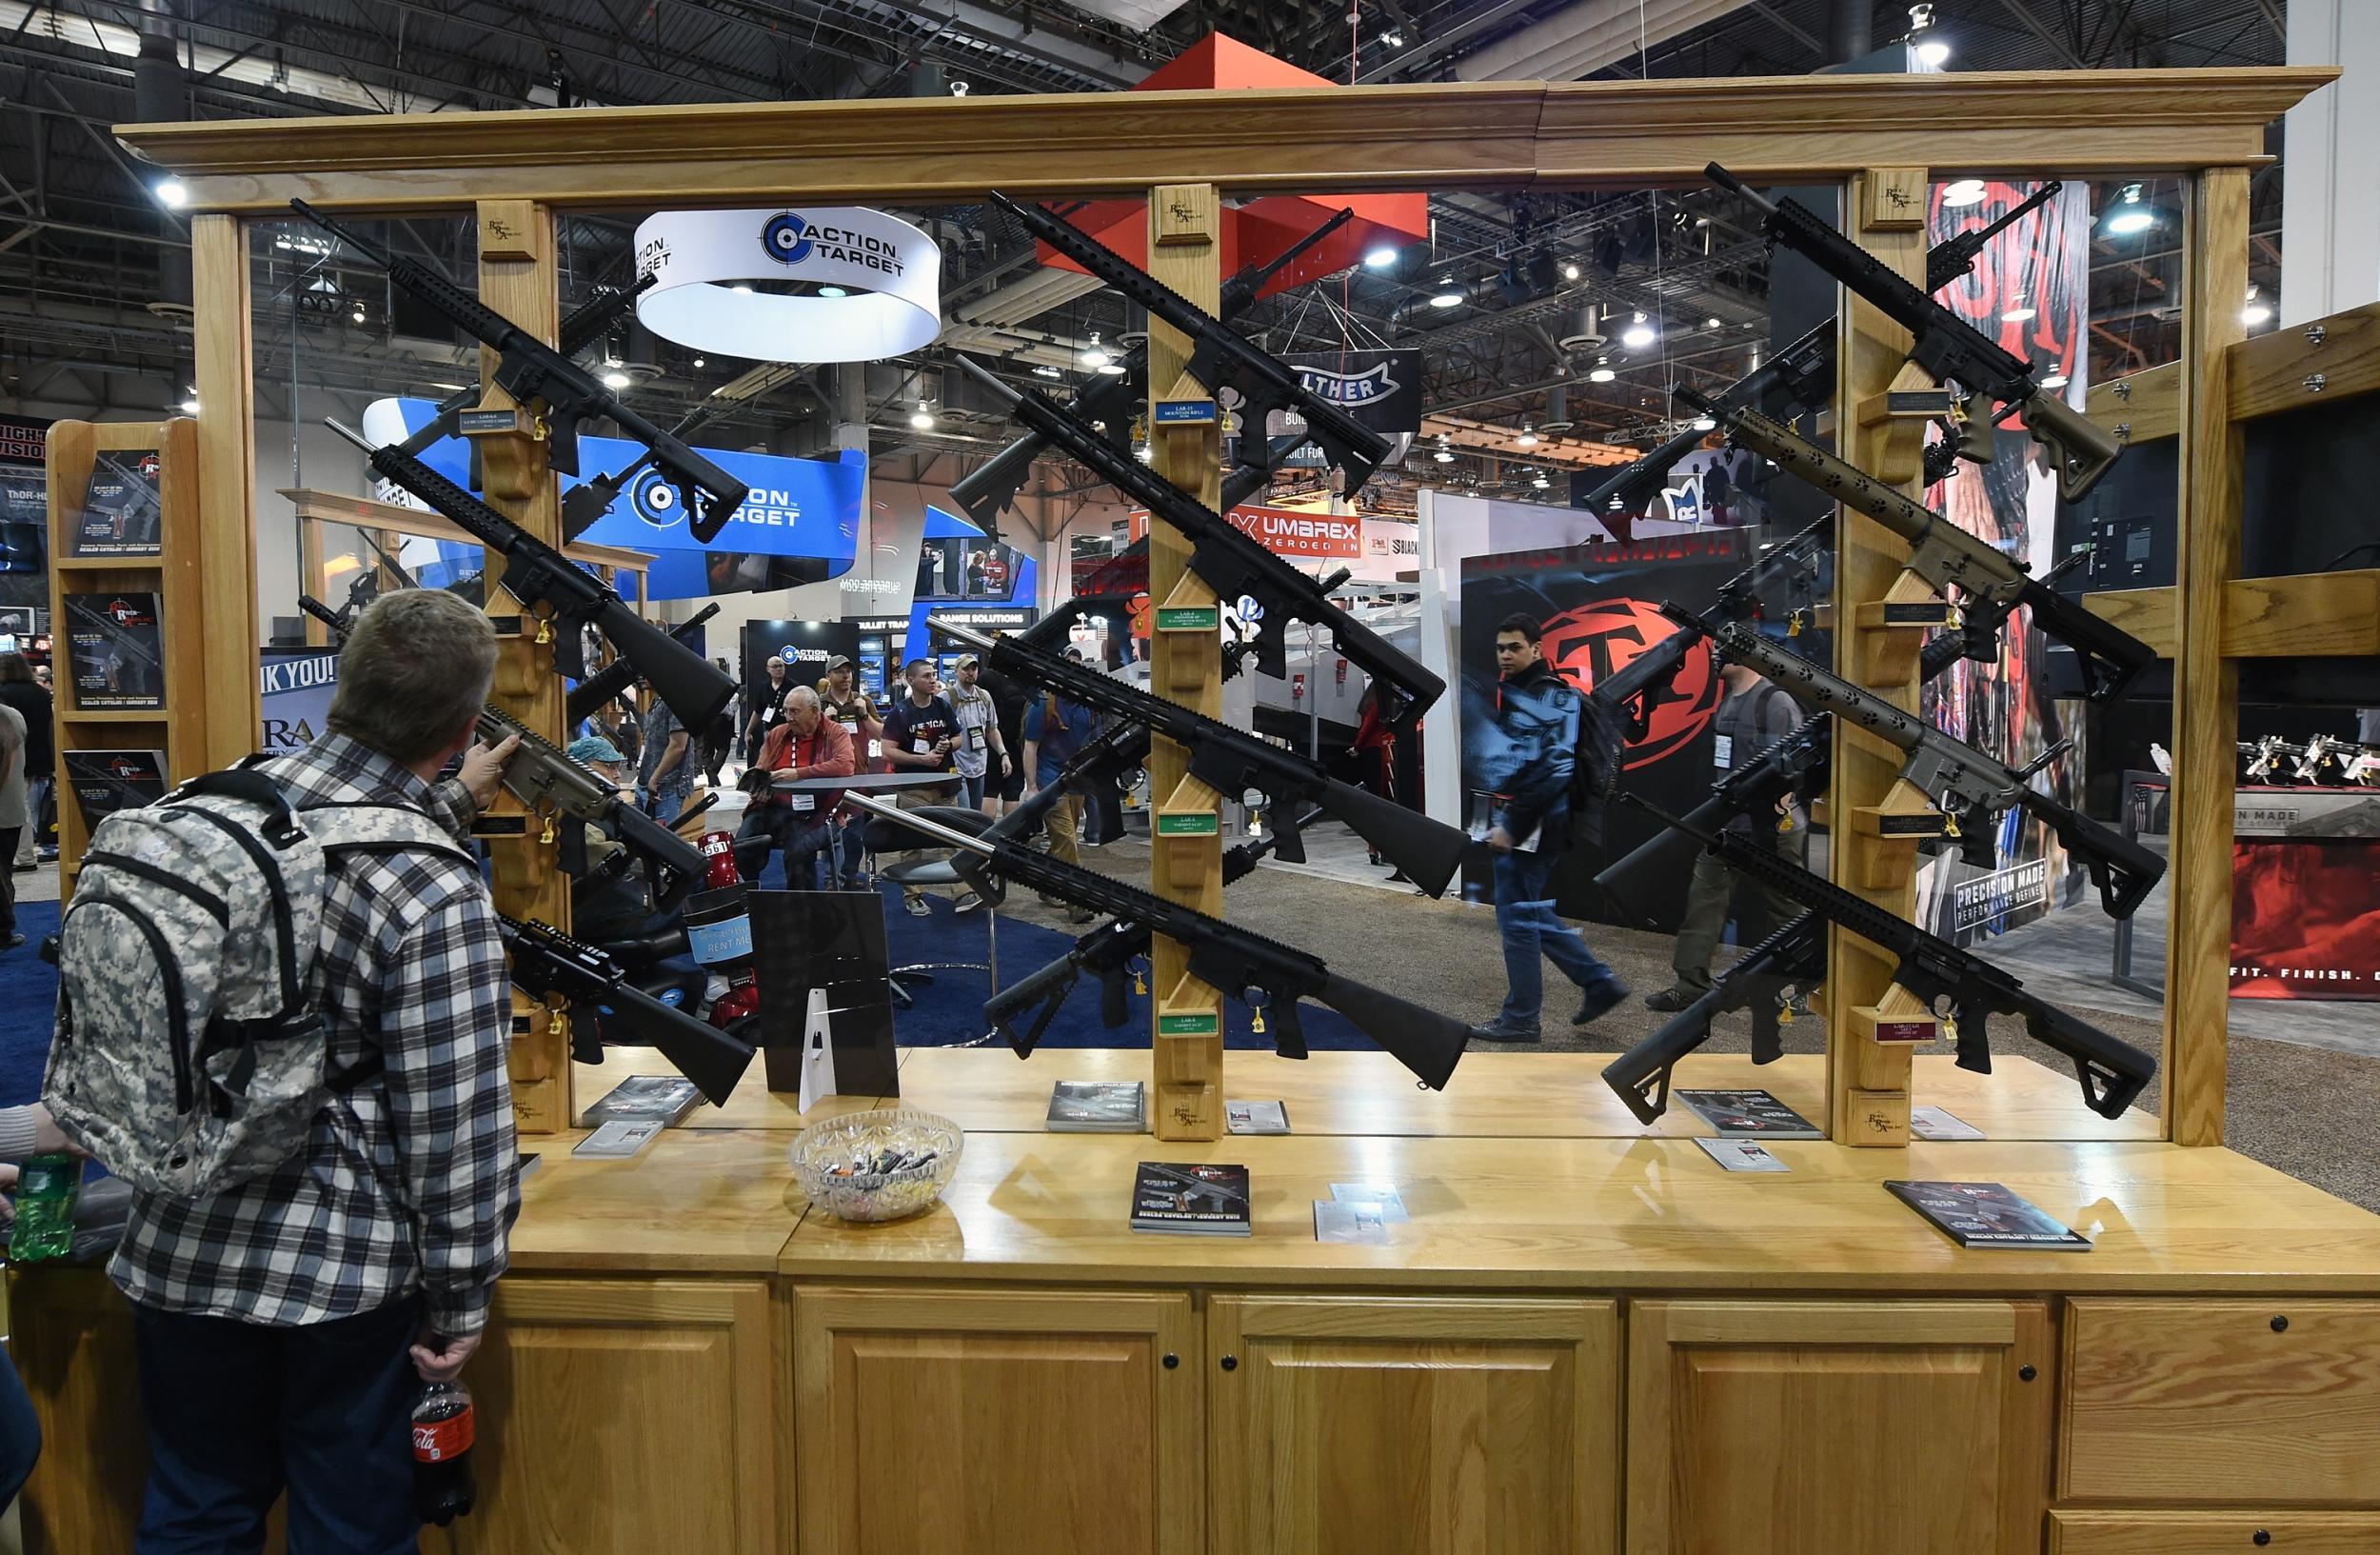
920, 731
285, 1326
1538, 721
979, 732
20, 691
666, 772
1753, 716
1055, 733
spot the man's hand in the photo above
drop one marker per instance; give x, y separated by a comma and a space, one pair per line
1498, 840
439, 1357
49, 1138
482, 770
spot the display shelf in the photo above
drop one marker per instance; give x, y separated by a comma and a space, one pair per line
108, 564
114, 715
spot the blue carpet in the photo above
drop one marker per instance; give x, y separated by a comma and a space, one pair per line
28, 1002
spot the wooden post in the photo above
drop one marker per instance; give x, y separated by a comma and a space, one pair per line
1185, 842
227, 468
516, 278
1870, 1021
2206, 683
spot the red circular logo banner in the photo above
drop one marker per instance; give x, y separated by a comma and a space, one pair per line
1586, 644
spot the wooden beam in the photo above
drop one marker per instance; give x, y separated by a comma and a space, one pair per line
2206, 683
364, 513
224, 375
2313, 615
1443, 136
2288, 369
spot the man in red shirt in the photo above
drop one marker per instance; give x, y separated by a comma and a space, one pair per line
806, 745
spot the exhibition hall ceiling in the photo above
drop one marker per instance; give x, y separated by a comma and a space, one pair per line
92, 272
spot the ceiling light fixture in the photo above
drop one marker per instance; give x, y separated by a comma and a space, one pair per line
1705, 424
189, 403
1926, 44
1570, 273
2055, 378
1710, 324
1601, 374
1095, 354
921, 418
616, 380
1528, 438
2131, 216
1045, 371
1540, 482
1639, 334
2256, 312
1961, 193
698, 362
1113, 370
1447, 294
1379, 257
171, 193
2019, 310
1444, 455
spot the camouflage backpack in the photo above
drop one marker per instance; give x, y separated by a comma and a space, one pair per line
191, 1053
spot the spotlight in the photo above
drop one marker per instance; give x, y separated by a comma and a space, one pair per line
698, 362
2255, 314
1934, 54
1528, 438
189, 403
2055, 378
357, 313
1447, 296
1445, 456
171, 193
1705, 424
1113, 370
2019, 310
1931, 51
1392, 39
1637, 335
1710, 324
2130, 215
1095, 355
1045, 371
1379, 258
1540, 482
616, 380
921, 418
1570, 272
1962, 193
1601, 373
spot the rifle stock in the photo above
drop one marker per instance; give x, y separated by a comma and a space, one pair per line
1794, 956
1424, 1041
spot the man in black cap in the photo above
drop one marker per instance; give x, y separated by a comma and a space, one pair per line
846, 703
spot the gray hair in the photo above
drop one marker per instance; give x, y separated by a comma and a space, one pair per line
416, 667
800, 696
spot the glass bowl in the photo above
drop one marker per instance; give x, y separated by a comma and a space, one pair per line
833, 1161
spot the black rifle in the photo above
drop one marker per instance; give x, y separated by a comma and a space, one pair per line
1233, 563
538, 575
564, 973
1966, 785
1220, 358
1945, 555
1948, 347
1639, 688
1795, 559
1106, 953
531, 370
1952, 258
617, 676
546, 779
1980, 620
1794, 767
581, 327
590, 499
1232, 761
1269, 977
1962, 991
1788, 962
1113, 399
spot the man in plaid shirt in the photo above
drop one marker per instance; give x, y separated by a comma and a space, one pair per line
285, 1327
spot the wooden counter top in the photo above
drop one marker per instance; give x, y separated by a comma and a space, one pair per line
1606, 1214
696, 1201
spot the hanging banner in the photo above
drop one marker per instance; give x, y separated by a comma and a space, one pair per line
1299, 533
1382, 390
297, 688
828, 284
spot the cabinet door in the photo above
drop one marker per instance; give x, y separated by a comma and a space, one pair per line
625, 1415
1396, 1425
1842, 1427
997, 1423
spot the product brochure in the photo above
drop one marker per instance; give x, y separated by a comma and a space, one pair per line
1739, 1154
618, 1140
664, 1099
1940, 1122
1096, 1106
121, 511
1208, 1200
1987, 1215
1256, 1117
1337, 1219
1750, 1112
107, 781
115, 652
1391, 1203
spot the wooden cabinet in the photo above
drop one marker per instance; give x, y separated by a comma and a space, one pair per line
2213, 1533
1414, 1426
625, 1415
70, 1335
2247, 1402
1837, 1427
997, 1423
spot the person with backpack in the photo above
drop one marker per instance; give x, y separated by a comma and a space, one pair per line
283, 1017
1752, 715
1539, 723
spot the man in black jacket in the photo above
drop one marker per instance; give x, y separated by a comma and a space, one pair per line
19, 689
1536, 731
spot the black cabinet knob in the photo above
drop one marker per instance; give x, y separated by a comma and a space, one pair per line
1231, 1363
2264, 1536
1172, 1361
2280, 1326
2026, 1373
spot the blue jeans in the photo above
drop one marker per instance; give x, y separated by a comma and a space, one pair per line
238, 1411
852, 844
667, 806
971, 791
1525, 918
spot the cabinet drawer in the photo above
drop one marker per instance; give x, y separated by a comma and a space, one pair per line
2222, 1401
2213, 1533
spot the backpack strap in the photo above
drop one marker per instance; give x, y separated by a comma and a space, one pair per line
245, 784
346, 828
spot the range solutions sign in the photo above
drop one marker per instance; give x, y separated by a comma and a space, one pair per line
807, 283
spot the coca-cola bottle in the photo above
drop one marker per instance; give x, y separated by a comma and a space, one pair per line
719, 933
443, 1488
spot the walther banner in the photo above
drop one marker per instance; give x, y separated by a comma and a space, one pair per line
1382, 390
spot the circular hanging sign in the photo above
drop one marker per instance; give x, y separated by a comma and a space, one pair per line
820, 284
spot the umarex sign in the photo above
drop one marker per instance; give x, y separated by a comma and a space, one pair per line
797, 508
824, 283
1290, 532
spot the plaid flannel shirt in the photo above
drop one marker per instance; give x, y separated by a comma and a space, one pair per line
409, 1179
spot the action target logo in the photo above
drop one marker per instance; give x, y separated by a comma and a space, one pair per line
786, 236
1592, 642
652, 498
